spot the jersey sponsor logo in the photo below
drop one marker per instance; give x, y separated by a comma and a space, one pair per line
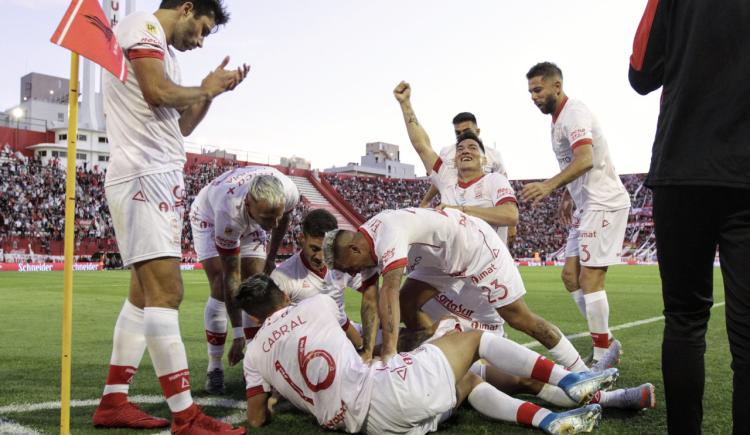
564, 160
484, 326
374, 225
282, 330
388, 255
455, 308
587, 234
577, 134
337, 419
484, 274
504, 191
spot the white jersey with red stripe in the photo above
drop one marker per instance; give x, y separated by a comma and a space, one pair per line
299, 281
452, 241
487, 190
600, 188
302, 352
143, 139
221, 204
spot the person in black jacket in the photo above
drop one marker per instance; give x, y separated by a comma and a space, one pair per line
700, 174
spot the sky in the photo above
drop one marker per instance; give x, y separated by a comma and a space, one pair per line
323, 71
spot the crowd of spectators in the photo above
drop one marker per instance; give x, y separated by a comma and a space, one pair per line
32, 206
539, 231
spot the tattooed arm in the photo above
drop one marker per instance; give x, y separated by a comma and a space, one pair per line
389, 311
369, 313
417, 134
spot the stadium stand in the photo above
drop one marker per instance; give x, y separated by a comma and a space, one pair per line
32, 212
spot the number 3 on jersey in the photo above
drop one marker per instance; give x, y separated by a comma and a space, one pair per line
304, 359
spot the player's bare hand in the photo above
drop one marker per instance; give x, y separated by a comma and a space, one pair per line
535, 192
565, 212
239, 75
402, 92
220, 80
367, 357
237, 351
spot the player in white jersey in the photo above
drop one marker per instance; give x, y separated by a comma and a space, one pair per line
305, 274
229, 219
466, 122
147, 117
455, 245
452, 310
302, 352
466, 186
601, 201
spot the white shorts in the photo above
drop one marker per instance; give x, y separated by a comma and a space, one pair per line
470, 313
147, 216
596, 237
252, 244
412, 394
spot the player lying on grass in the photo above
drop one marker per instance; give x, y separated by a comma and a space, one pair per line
636, 398
301, 351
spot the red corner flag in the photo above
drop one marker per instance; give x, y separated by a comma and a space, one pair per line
85, 30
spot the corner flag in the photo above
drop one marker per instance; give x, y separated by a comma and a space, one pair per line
85, 30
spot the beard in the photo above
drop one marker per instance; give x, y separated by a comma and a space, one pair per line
549, 105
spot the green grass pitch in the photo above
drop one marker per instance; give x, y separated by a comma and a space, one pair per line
31, 306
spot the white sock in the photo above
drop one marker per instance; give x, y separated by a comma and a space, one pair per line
518, 360
580, 301
479, 369
128, 345
495, 404
215, 322
162, 329
597, 313
555, 396
567, 356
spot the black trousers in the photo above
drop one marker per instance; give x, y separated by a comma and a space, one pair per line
691, 222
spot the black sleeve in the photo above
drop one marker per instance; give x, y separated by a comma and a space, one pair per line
647, 61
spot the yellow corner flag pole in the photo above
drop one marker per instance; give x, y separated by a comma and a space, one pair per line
70, 204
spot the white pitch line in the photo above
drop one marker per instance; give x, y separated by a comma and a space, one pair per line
12, 428
533, 344
45, 406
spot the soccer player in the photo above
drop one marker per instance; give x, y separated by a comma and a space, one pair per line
462, 311
229, 219
302, 352
454, 246
465, 122
147, 118
601, 201
305, 274
465, 184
